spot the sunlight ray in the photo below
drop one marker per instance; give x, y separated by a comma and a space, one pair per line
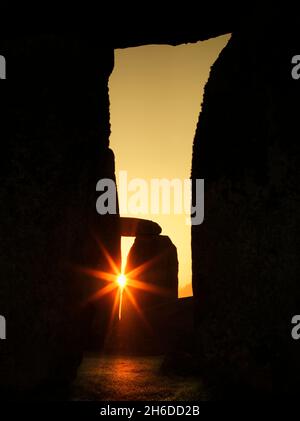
137, 308
103, 291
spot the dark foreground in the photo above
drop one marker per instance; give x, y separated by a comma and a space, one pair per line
109, 378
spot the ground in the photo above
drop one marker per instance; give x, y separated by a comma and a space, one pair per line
109, 378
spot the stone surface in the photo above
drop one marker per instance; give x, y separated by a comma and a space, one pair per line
245, 254
153, 261
55, 150
152, 272
132, 227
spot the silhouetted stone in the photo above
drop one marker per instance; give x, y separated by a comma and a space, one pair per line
55, 152
132, 227
55, 131
153, 261
245, 254
152, 269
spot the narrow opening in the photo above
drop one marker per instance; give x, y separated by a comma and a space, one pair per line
155, 98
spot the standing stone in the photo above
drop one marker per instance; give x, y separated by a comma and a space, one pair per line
55, 149
152, 266
246, 253
132, 227
156, 256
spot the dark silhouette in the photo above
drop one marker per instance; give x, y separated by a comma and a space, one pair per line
55, 130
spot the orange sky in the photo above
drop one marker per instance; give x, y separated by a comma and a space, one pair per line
155, 99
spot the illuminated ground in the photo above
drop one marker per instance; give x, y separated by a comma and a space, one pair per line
107, 378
